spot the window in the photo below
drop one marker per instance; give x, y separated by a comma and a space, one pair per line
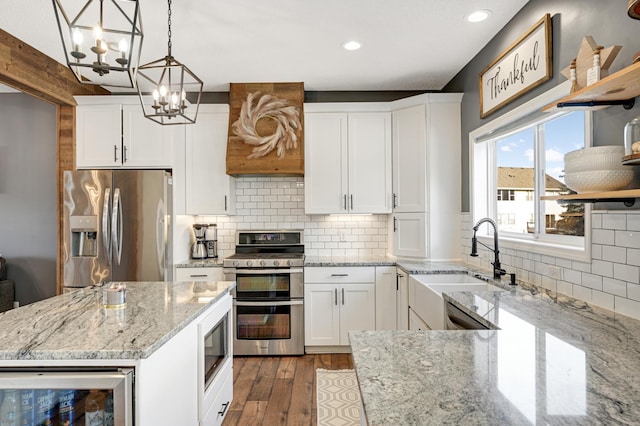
521, 160
506, 195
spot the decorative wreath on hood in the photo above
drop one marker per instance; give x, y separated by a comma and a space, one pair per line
258, 106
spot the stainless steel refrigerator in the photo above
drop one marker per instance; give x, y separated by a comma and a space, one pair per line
117, 226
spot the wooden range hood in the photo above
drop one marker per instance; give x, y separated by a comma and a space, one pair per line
292, 164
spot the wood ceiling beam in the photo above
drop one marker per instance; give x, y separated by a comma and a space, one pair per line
31, 71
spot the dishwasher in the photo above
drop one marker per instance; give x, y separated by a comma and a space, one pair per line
457, 319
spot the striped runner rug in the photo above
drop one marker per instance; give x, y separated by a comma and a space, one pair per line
338, 397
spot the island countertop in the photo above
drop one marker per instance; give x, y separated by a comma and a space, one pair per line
555, 360
76, 326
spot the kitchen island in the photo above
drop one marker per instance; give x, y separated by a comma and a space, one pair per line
158, 334
555, 360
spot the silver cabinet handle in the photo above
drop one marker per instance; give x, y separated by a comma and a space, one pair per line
343, 296
339, 275
345, 201
395, 224
335, 291
115, 153
395, 200
124, 154
351, 196
225, 203
198, 275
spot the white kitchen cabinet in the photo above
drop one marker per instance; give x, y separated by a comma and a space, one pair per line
212, 273
391, 299
209, 190
112, 132
426, 176
338, 300
415, 322
402, 301
410, 234
409, 154
347, 162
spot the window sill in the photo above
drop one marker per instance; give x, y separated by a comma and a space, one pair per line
544, 248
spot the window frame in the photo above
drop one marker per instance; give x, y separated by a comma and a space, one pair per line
482, 181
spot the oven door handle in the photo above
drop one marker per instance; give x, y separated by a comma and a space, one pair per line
268, 271
276, 303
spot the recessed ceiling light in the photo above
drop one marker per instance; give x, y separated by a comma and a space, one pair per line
478, 15
351, 45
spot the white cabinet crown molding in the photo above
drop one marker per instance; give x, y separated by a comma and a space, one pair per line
347, 107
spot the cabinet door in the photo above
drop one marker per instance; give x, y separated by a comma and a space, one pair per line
386, 287
98, 136
209, 190
357, 309
409, 234
321, 315
416, 323
370, 162
409, 159
145, 142
325, 163
402, 301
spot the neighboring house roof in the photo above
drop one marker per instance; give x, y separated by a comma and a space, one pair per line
522, 178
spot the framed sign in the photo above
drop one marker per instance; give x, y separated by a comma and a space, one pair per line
524, 65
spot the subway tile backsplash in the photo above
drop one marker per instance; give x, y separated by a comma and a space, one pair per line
610, 280
278, 203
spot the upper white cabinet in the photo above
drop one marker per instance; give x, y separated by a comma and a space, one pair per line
347, 160
209, 190
426, 176
409, 154
112, 132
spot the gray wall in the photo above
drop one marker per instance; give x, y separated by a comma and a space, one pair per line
606, 21
28, 194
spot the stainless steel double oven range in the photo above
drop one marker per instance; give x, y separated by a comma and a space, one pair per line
268, 300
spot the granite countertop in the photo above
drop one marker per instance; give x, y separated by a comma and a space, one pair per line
555, 360
349, 261
76, 326
200, 263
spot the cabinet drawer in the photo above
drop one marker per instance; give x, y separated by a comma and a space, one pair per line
199, 274
339, 274
220, 405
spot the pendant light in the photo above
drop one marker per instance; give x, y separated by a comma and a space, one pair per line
102, 39
172, 86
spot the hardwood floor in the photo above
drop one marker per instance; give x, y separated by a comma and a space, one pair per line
278, 390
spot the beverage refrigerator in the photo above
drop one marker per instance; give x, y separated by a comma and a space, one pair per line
116, 226
70, 398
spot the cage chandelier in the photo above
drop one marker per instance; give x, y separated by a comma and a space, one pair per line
175, 89
102, 39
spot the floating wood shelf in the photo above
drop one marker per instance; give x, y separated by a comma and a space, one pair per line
619, 88
627, 196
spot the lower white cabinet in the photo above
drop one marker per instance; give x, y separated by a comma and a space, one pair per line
415, 322
402, 301
220, 406
391, 299
338, 300
199, 274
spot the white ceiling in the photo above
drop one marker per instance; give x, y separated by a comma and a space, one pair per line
407, 44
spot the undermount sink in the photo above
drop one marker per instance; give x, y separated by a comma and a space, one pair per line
425, 294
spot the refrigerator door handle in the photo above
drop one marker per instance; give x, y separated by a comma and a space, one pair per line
106, 214
116, 226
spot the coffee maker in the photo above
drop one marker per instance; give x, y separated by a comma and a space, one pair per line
211, 241
199, 248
